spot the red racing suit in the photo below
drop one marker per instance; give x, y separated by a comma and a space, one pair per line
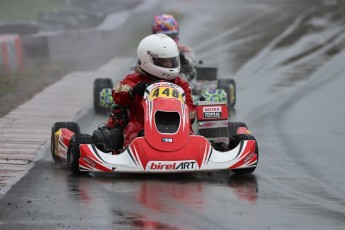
136, 111
187, 68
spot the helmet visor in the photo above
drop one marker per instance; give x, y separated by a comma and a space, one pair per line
172, 62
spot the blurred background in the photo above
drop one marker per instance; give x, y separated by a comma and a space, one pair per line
43, 40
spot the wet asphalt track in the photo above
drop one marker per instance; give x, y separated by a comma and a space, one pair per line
299, 182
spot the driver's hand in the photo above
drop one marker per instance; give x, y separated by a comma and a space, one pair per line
139, 89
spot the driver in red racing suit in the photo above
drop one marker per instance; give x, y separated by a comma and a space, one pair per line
158, 59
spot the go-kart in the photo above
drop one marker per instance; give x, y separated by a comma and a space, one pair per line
166, 145
205, 87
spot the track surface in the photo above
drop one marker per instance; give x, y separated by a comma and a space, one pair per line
290, 94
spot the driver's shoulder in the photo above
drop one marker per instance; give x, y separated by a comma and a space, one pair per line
133, 77
180, 82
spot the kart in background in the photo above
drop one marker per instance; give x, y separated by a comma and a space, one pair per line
205, 87
208, 87
166, 145
102, 96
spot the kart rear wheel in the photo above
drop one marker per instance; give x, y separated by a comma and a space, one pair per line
233, 126
72, 126
73, 153
234, 141
98, 85
229, 85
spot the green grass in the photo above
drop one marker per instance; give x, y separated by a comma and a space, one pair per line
27, 10
9, 81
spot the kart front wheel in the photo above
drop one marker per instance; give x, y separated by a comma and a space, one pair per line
234, 141
73, 153
72, 126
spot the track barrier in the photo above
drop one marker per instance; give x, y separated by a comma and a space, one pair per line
11, 53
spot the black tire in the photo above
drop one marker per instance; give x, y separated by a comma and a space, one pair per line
234, 141
74, 127
73, 153
108, 140
206, 72
233, 126
229, 85
98, 85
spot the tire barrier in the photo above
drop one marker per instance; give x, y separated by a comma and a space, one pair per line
11, 53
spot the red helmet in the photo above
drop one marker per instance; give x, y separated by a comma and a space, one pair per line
166, 24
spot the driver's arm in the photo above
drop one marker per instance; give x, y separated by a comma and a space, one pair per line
121, 91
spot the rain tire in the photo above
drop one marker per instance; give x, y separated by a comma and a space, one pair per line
233, 126
73, 153
98, 85
72, 126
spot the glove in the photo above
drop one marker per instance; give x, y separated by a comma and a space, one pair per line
138, 89
183, 59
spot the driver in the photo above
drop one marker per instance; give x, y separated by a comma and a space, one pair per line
166, 24
158, 59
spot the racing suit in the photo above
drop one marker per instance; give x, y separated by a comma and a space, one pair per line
187, 58
136, 112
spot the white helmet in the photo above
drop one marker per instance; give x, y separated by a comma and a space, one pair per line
158, 55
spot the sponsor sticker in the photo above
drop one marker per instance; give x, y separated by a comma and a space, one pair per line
167, 140
248, 157
161, 166
213, 114
209, 109
89, 161
212, 111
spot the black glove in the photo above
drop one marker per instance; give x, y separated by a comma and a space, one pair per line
138, 89
183, 59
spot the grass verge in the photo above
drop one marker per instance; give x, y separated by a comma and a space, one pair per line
27, 10
17, 88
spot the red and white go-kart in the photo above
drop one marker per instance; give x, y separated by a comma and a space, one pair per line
166, 144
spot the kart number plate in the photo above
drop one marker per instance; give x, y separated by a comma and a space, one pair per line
165, 92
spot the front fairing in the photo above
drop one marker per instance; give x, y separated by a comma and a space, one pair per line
198, 155
166, 121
